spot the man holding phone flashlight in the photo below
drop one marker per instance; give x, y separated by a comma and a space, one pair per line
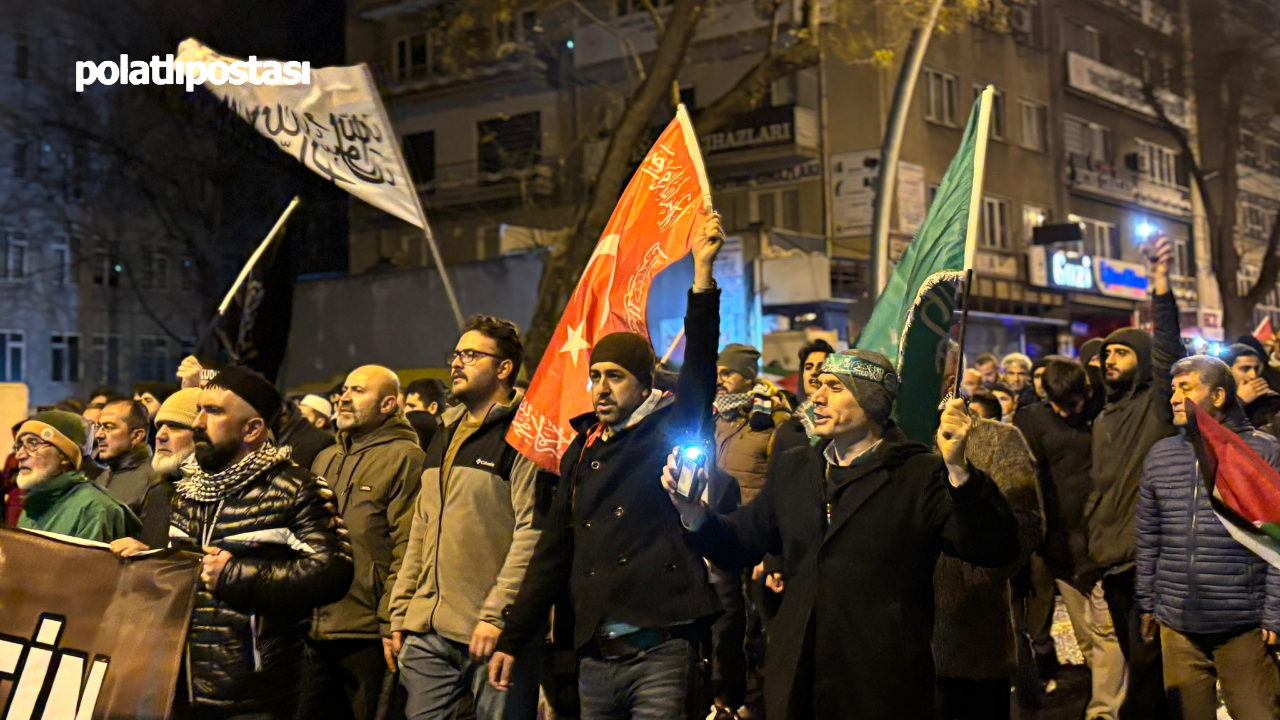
859, 525
642, 602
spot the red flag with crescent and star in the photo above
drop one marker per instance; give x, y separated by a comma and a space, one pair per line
652, 226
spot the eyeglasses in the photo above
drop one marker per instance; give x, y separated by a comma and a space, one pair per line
468, 357
30, 443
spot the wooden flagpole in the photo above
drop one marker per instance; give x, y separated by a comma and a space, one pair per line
975, 215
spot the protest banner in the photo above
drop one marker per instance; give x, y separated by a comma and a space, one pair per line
652, 226
85, 635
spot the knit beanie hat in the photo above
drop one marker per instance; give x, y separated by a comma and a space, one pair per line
1089, 349
179, 408
630, 351
249, 386
60, 429
742, 359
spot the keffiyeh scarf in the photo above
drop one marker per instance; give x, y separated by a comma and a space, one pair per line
198, 486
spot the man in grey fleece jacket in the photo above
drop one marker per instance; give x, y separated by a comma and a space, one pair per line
472, 536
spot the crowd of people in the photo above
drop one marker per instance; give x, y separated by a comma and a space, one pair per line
385, 552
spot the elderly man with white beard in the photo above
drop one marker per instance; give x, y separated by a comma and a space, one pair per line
57, 497
175, 443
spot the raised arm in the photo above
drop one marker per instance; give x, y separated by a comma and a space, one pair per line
318, 574
1166, 348
741, 538
696, 389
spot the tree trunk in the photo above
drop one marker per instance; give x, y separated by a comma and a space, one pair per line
565, 262
752, 87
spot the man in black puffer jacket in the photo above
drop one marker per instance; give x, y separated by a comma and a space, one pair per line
274, 550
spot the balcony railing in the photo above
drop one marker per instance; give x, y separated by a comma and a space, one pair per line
1170, 199
464, 182
1097, 178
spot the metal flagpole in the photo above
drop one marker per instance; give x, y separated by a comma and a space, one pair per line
422, 213
975, 214
253, 259
244, 273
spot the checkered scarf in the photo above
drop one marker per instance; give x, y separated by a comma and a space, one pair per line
198, 486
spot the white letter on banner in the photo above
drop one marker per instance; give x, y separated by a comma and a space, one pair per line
214, 77
292, 72
239, 72
66, 700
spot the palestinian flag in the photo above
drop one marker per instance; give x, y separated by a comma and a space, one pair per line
1244, 488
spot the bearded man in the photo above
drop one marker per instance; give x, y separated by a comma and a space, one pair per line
274, 550
57, 497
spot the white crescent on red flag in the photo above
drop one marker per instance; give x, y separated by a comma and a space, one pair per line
652, 226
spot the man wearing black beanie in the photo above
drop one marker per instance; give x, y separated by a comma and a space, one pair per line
642, 601
274, 549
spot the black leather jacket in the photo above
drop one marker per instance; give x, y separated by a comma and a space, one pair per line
291, 555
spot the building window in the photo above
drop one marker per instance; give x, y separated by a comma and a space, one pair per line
1270, 157
1248, 151
66, 357
1034, 126
1089, 141
15, 256
1254, 219
105, 359
994, 233
1158, 164
509, 143
21, 151
997, 110
13, 355
420, 154
1100, 238
940, 93
1034, 216
105, 267
160, 272
516, 28
1181, 258
60, 273
1083, 40
153, 359
689, 97
415, 57
22, 60
776, 209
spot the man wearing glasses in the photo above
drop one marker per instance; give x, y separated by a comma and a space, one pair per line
58, 498
472, 535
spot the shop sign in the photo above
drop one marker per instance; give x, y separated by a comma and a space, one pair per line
1120, 88
995, 265
1065, 270
1121, 279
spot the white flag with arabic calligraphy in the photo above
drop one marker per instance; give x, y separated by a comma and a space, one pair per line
335, 125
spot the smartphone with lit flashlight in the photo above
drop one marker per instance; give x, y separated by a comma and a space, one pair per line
689, 482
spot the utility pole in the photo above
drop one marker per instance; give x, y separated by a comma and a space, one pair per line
892, 147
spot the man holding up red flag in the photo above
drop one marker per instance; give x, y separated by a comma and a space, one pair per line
642, 601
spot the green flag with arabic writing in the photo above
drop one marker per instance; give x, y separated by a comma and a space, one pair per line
913, 316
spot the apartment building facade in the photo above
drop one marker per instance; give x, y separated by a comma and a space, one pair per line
506, 144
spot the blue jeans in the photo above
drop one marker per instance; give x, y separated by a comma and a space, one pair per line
653, 685
436, 672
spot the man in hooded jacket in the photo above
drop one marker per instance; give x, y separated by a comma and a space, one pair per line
1137, 415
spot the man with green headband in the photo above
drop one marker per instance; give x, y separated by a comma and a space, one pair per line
859, 524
